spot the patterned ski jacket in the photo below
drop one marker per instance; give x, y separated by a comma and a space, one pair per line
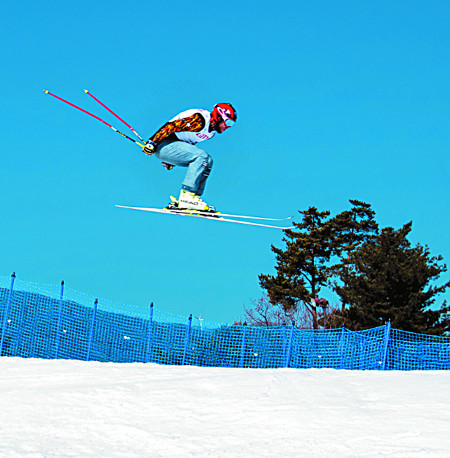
191, 126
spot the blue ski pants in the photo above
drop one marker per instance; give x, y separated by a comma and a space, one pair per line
198, 162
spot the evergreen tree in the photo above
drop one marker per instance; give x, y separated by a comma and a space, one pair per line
314, 255
302, 268
351, 228
388, 279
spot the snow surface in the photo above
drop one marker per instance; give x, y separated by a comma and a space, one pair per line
73, 408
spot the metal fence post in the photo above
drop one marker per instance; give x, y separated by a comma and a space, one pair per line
244, 333
149, 338
58, 327
91, 332
289, 350
186, 340
387, 334
5, 317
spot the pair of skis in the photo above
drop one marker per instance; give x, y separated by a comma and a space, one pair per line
213, 216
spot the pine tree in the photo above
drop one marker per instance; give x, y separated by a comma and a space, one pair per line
314, 254
351, 229
302, 268
388, 279
354, 227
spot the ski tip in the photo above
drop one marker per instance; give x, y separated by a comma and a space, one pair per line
85, 90
45, 91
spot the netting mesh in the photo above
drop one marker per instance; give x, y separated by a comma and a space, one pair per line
408, 350
44, 321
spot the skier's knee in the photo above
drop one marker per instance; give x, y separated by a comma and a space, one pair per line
207, 161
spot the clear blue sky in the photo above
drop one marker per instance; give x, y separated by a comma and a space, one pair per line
336, 100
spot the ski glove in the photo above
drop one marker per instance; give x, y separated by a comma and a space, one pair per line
149, 148
167, 166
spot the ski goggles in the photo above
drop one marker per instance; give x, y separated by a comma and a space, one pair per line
229, 122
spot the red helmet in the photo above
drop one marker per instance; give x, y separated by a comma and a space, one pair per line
225, 112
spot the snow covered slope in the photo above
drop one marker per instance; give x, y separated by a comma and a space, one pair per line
72, 408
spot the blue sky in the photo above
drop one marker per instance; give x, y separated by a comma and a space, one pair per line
336, 100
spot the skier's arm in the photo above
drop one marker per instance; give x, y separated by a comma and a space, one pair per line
194, 123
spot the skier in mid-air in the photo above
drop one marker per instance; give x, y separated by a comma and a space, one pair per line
175, 144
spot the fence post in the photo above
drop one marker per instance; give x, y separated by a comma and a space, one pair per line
91, 332
341, 348
284, 344
244, 333
289, 350
5, 317
186, 340
149, 339
387, 334
58, 327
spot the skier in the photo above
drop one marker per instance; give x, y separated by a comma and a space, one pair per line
175, 144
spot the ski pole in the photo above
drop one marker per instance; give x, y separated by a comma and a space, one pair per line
94, 116
112, 112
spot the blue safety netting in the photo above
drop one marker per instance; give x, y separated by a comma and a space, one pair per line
47, 321
409, 351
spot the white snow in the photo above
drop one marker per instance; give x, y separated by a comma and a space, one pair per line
73, 408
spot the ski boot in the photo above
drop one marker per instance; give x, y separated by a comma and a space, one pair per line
190, 201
